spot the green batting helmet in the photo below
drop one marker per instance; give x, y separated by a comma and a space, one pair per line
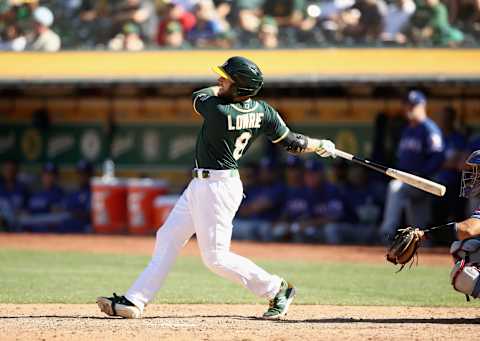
245, 74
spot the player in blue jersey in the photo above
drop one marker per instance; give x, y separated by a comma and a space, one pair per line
362, 202
78, 202
261, 204
295, 207
13, 195
45, 206
326, 206
420, 152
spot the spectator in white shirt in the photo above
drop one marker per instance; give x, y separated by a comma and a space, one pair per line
44, 38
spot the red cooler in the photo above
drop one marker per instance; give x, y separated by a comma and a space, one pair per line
141, 196
109, 205
162, 206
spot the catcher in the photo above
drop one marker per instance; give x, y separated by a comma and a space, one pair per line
465, 252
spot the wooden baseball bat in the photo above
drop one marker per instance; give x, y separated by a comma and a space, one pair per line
412, 180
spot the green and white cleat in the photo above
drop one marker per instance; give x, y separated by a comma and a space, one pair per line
280, 303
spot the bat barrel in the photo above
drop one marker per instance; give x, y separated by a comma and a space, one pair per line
410, 179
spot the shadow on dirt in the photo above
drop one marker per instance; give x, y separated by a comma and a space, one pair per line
459, 321
432, 320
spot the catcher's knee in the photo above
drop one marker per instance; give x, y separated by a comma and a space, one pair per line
465, 279
465, 274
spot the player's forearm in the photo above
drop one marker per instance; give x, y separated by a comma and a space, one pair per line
468, 228
215, 90
210, 91
296, 143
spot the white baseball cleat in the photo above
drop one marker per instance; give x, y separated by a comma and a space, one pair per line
118, 306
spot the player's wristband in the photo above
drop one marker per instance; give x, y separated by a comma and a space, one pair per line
454, 225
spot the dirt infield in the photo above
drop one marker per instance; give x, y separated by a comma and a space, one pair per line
238, 322
231, 322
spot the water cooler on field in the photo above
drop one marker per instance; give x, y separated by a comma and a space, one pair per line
109, 202
140, 202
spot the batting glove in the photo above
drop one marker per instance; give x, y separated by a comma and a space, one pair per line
326, 149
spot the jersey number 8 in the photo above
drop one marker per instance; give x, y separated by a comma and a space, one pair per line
240, 144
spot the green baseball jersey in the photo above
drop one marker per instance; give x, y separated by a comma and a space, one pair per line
229, 129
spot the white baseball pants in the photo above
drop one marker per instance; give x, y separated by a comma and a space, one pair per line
207, 208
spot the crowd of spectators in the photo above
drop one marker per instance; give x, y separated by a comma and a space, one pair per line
134, 25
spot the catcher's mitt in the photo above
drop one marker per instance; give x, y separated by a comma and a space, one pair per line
404, 246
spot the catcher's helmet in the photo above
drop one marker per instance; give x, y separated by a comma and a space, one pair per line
471, 176
246, 75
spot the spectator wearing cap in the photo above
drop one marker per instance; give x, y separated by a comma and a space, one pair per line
262, 202
13, 195
78, 202
45, 206
173, 11
128, 40
245, 16
174, 37
362, 209
368, 26
295, 206
44, 39
288, 14
268, 33
207, 27
139, 12
420, 152
325, 205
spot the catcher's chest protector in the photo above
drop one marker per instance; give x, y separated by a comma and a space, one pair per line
465, 274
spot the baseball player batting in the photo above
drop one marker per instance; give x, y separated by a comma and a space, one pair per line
232, 119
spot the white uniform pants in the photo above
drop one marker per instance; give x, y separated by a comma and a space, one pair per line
207, 208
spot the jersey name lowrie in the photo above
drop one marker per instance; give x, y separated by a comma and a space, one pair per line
245, 121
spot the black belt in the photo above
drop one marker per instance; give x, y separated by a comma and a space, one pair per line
201, 173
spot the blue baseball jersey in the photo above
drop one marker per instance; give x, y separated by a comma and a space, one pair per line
363, 205
326, 202
272, 193
474, 144
454, 143
421, 149
295, 205
16, 197
44, 200
78, 203
79, 200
